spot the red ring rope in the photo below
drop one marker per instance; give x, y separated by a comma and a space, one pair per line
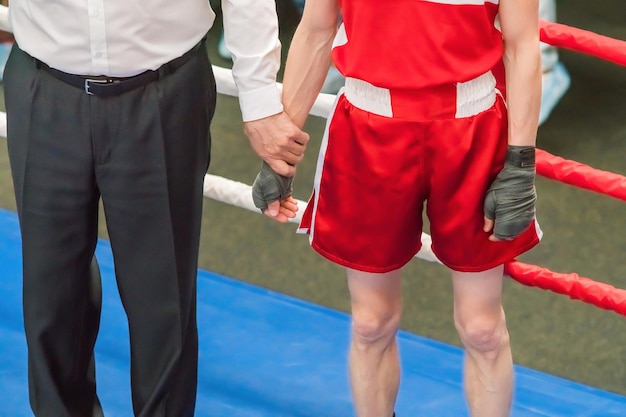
584, 41
580, 175
601, 295
576, 287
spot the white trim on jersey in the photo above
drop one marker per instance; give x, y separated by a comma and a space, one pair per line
341, 38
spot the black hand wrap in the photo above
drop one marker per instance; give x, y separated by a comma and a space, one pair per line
510, 200
269, 186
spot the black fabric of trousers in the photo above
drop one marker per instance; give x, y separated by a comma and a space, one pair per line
145, 154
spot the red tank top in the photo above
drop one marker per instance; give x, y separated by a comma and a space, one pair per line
401, 44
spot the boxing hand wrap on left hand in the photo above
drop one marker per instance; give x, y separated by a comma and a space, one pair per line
269, 186
510, 199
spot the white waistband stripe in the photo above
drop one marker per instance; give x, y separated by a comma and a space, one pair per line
368, 97
475, 96
472, 97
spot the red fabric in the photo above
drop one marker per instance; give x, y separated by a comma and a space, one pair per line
601, 295
414, 44
375, 173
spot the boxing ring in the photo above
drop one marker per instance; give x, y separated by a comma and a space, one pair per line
280, 356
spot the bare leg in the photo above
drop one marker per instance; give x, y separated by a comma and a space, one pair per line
374, 364
479, 319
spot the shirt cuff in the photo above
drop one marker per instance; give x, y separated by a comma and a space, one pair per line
260, 102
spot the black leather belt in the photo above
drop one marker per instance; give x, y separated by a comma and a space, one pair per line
103, 86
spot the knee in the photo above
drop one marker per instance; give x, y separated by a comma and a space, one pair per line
485, 335
370, 327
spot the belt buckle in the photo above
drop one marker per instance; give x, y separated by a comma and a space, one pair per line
88, 82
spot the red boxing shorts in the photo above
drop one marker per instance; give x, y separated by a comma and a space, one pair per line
386, 153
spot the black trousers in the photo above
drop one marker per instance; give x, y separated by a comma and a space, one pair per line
144, 153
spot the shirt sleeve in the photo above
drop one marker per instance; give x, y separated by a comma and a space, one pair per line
251, 36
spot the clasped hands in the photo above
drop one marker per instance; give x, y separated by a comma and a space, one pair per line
281, 145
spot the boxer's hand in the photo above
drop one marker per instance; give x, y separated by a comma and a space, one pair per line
510, 201
269, 187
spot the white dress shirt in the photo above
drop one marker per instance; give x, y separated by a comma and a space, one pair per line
121, 38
